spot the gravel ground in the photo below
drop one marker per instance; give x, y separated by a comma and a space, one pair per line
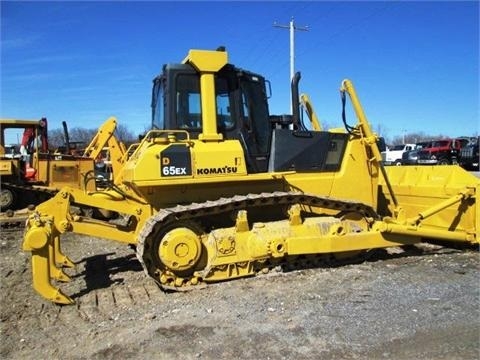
421, 303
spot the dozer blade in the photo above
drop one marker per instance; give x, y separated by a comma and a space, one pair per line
41, 241
438, 202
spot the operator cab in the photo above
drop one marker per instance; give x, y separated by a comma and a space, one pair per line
241, 107
242, 114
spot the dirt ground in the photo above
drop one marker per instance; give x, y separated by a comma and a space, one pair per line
422, 303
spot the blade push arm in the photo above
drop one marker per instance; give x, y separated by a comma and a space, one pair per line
366, 131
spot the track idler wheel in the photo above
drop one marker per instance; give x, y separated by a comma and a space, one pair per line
180, 250
173, 253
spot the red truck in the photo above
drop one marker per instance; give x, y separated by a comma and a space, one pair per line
441, 152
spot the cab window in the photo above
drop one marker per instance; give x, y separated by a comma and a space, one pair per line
223, 98
188, 107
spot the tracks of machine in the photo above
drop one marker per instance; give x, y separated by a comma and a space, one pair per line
13, 222
181, 250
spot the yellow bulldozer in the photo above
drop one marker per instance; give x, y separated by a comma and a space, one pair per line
31, 172
220, 189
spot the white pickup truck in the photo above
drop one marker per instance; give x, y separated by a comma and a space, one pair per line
393, 156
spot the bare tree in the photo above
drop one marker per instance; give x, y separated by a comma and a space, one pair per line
416, 137
381, 131
56, 138
81, 137
125, 135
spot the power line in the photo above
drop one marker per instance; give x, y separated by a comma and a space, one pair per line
292, 27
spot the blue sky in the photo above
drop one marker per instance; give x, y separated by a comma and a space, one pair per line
415, 65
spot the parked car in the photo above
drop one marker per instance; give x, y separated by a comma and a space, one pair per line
469, 155
441, 152
394, 156
411, 157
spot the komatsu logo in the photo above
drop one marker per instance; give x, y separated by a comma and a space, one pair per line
217, 170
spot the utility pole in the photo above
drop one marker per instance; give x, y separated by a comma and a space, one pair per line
292, 27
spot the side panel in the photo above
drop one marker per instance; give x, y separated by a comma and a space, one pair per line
163, 164
306, 150
216, 160
6, 167
60, 173
356, 179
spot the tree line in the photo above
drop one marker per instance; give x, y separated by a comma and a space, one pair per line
79, 135
414, 137
83, 136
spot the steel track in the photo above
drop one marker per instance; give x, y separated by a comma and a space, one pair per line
195, 211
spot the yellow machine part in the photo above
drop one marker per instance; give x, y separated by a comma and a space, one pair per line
207, 63
432, 195
7, 167
241, 251
312, 115
60, 173
101, 138
143, 170
105, 139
